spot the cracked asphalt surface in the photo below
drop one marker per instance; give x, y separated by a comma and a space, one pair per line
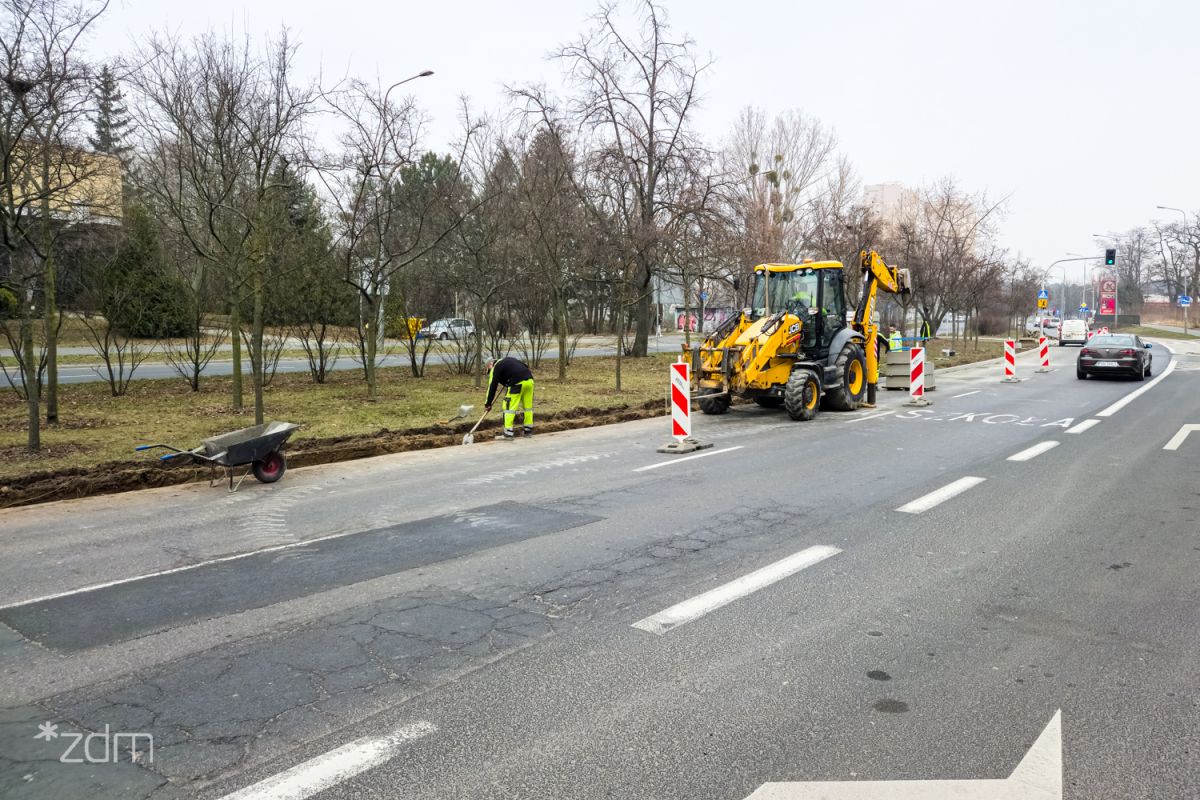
490, 591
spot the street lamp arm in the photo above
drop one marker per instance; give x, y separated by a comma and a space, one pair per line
424, 74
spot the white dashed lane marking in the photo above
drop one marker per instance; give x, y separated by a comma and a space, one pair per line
1033, 452
701, 604
936, 498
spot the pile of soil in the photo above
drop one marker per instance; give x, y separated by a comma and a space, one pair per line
123, 476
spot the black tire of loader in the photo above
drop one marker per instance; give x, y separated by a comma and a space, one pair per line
802, 395
714, 405
842, 398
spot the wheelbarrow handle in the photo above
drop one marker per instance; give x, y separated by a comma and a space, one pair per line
142, 447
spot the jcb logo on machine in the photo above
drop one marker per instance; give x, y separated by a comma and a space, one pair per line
794, 329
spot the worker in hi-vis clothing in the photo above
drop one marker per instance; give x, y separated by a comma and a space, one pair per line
895, 340
518, 380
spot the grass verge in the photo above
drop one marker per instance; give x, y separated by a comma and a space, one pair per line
90, 451
1158, 333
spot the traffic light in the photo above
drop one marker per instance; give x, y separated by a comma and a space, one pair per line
1110, 257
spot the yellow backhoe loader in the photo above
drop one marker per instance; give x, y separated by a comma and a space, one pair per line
794, 347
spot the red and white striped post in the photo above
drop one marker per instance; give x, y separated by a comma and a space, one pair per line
1044, 353
681, 401
1010, 362
916, 377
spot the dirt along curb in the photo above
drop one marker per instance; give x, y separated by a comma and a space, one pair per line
125, 476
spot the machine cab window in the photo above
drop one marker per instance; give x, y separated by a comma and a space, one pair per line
794, 291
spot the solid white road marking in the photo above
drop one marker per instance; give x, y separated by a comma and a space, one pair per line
701, 604
965, 394
1037, 777
320, 773
871, 416
1178, 438
922, 504
1033, 452
1087, 424
1129, 398
689, 458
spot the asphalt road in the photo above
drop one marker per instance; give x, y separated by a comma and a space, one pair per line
223, 365
578, 616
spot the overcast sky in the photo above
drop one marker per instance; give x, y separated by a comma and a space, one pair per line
1083, 113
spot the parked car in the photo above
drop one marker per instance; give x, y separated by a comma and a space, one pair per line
1115, 354
448, 329
1041, 326
1072, 331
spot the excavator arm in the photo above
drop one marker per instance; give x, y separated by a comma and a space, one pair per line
876, 276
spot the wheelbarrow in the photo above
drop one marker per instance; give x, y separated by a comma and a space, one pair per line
259, 446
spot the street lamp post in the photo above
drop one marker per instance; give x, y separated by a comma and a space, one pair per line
1054, 264
1088, 286
1187, 287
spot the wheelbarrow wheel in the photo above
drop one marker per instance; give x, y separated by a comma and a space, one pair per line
271, 468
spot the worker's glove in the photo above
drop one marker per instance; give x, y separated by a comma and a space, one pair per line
487, 408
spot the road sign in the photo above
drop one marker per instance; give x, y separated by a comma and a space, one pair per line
1083, 307
1185, 300
1043, 302
703, 297
1043, 294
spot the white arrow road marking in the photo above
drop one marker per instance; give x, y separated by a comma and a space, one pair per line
1129, 398
939, 496
1033, 452
1037, 777
329, 769
1178, 438
701, 604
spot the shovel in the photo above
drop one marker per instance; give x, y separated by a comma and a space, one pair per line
470, 437
462, 413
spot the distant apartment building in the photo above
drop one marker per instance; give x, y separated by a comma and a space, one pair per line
890, 201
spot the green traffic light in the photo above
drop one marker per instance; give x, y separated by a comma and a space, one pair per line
1110, 257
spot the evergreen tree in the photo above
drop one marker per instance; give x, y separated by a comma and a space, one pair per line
112, 118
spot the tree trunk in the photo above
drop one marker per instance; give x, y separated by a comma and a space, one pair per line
372, 339
235, 336
31, 379
256, 347
641, 337
50, 309
560, 313
483, 317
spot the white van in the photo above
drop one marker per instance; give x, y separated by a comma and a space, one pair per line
1072, 331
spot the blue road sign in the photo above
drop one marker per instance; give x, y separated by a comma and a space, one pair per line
703, 296
1185, 300
1043, 294
1082, 308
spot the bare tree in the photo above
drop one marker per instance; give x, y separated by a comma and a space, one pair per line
218, 120
779, 173
376, 235
636, 90
941, 240
47, 180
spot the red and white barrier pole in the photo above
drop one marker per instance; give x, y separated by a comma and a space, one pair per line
916, 377
1010, 361
681, 401
1044, 353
